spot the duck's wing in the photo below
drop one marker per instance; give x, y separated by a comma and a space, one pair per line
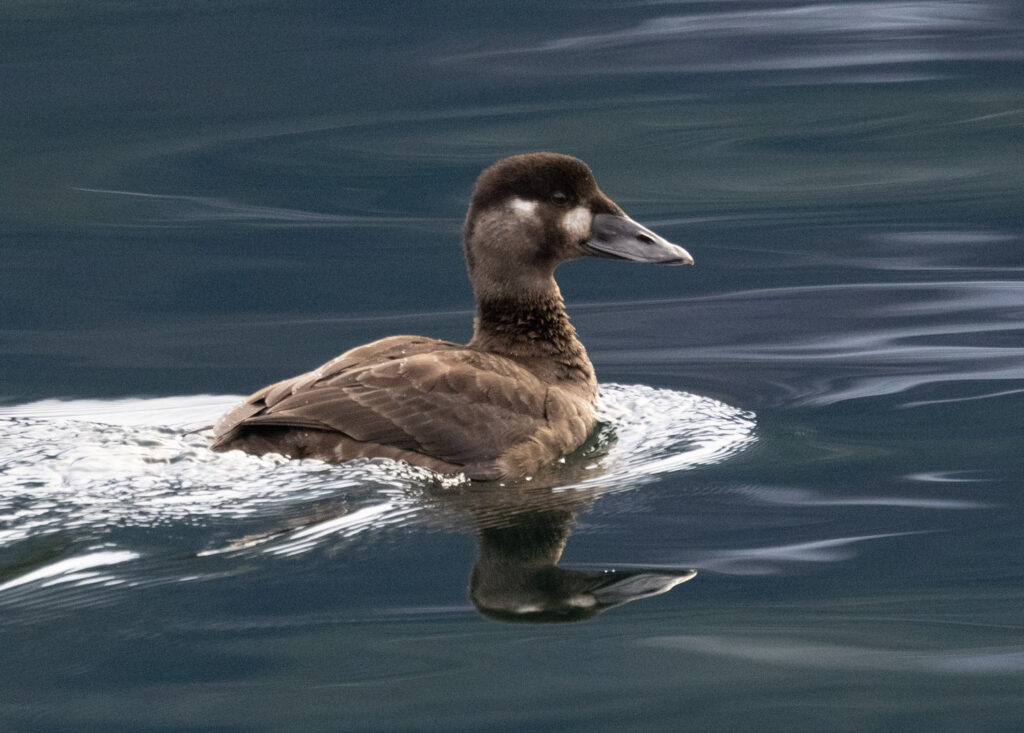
393, 347
442, 400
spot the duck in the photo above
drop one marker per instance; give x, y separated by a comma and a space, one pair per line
519, 395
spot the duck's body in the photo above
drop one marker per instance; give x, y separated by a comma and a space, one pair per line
450, 408
519, 395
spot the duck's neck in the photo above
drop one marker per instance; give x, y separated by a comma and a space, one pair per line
532, 327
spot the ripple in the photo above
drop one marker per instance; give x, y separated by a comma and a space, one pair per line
827, 344
167, 210
770, 560
810, 37
806, 497
793, 651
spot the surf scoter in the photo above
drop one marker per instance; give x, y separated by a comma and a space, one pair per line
519, 395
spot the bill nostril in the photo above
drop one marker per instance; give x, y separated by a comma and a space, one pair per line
644, 238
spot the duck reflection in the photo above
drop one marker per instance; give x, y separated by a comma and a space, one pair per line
517, 578
522, 529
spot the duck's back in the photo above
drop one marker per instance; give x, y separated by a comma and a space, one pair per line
432, 403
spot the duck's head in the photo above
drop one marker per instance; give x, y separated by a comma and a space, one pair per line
528, 213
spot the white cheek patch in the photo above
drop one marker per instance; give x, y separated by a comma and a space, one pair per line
524, 209
576, 223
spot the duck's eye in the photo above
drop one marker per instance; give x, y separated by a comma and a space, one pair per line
559, 197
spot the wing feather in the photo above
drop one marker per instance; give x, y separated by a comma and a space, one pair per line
434, 398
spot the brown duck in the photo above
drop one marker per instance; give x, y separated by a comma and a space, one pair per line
519, 395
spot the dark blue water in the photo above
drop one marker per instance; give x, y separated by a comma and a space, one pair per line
823, 417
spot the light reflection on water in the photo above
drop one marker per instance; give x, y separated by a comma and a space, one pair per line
795, 650
788, 37
892, 339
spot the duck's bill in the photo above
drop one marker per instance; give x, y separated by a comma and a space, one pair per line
622, 238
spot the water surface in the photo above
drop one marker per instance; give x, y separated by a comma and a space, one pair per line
822, 418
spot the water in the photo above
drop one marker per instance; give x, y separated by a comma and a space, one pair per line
822, 418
